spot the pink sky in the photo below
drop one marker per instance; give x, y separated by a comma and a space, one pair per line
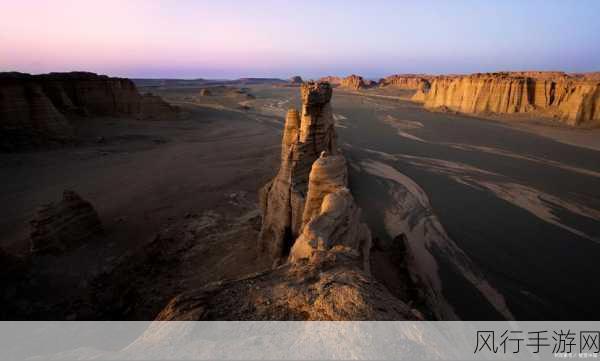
230, 38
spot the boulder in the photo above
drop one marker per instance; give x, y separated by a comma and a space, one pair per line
63, 225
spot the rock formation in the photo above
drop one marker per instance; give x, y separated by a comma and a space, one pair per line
308, 208
59, 226
296, 80
333, 290
331, 219
332, 80
574, 100
353, 82
405, 81
205, 92
305, 136
36, 107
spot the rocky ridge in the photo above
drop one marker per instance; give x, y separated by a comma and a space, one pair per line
296, 80
354, 82
575, 100
38, 107
406, 81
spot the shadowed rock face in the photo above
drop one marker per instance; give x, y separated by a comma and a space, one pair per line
59, 226
282, 200
296, 80
574, 100
38, 106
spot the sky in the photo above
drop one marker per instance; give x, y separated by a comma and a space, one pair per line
268, 38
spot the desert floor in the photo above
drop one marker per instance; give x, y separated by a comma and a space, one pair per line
517, 201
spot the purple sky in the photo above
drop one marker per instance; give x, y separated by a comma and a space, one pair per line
230, 39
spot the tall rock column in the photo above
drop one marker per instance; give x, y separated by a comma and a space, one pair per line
331, 221
282, 200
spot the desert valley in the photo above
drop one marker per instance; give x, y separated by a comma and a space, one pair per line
411, 197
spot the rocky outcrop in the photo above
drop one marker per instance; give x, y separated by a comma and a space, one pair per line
332, 80
332, 290
282, 200
63, 225
405, 81
37, 107
573, 100
153, 107
326, 274
205, 92
296, 80
353, 82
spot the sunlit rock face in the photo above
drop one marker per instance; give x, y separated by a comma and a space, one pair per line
282, 200
334, 289
307, 208
331, 220
354, 82
574, 100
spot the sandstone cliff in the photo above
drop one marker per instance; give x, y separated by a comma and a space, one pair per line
305, 136
354, 82
331, 218
573, 100
37, 107
405, 81
332, 80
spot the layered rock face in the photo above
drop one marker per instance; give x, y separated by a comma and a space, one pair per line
26, 112
353, 82
282, 200
62, 225
332, 80
40, 105
405, 81
574, 100
331, 218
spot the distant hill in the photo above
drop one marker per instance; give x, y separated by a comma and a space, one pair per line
205, 82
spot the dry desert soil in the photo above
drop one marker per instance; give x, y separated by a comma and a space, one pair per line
511, 203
